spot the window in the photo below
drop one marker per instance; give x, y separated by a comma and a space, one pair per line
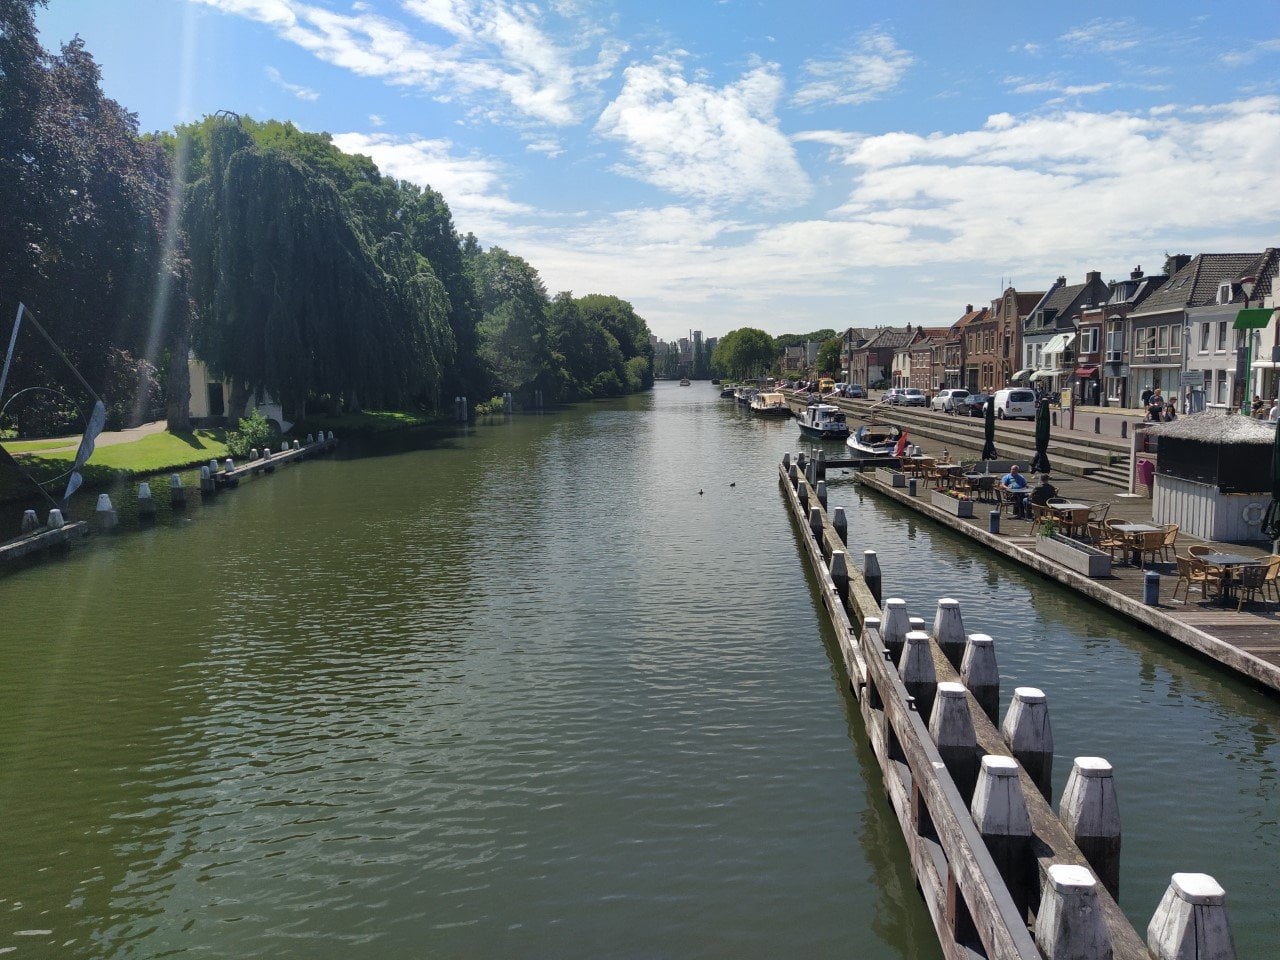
1089, 340
1222, 387
1175, 339
1204, 338
1163, 338
1222, 336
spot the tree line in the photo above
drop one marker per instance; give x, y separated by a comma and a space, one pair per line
290, 267
748, 352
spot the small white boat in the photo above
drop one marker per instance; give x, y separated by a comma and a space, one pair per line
684, 381
822, 421
870, 440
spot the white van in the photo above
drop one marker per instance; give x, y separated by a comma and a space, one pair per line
1014, 402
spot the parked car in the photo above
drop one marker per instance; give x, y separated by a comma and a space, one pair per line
891, 395
1014, 402
973, 404
912, 397
947, 400
855, 391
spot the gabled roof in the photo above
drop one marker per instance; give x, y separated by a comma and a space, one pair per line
1027, 302
1196, 284
971, 317
892, 338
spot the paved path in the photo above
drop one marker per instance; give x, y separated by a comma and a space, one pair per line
108, 438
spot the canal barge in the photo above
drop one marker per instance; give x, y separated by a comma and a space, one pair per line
822, 421
770, 405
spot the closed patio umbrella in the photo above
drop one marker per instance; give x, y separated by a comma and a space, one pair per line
1271, 519
989, 431
1040, 462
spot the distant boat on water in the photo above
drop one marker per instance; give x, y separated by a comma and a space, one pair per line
684, 381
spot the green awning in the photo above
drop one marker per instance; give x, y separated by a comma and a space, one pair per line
1253, 319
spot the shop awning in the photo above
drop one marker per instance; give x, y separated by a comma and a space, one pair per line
1086, 371
1022, 374
1042, 375
1059, 343
1266, 365
1253, 319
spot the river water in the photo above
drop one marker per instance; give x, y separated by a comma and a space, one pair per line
556, 686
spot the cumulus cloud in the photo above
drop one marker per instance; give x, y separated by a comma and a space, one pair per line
297, 89
472, 186
497, 51
714, 144
873, 68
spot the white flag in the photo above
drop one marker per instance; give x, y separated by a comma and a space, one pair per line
97, 420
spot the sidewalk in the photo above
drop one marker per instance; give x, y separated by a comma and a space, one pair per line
108, 438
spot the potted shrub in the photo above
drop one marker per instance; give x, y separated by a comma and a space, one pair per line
1072, 554
955, 502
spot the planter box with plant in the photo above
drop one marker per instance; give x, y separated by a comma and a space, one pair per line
1071, 554
954, 502
891, 477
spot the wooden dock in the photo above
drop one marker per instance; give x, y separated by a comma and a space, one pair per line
1247, 642
980, 907
41, 541
268, 462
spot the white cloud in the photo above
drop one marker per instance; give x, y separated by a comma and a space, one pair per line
1238, 58
376, 120
472, 186
496, 51
547, 146
871, 70
1101, 35
297, 89
714, 144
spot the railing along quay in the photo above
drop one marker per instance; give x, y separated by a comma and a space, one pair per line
1001, 874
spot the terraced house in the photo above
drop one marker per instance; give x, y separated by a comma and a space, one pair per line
1049, 334
993, 342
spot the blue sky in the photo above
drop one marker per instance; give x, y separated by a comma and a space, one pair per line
784, 165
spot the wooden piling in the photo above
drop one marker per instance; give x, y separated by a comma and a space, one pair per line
895, 627
839, 570
1070, 924
822, 493
980, 673
951, 727
870, 571
1000, 811
917, 671
841, 523
1191, 922
948, 630
30, 522
1027, 730
1090, 813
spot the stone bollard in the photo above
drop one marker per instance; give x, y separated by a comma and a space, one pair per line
993, 522
284, 447
297, 445
951, 726
918, 673
841, 523
948, 630
840, 574
793, 474
1091, 815
1027, 730
206, 480
896, 625
213, 467
1070, 924
106, 513
1151, 588
253, 453
822, 493
1000, 812
146, 504
1097, 424
266, 453
815, 524
55, 519
231, 465
871, 572
1124, 429
30, 522
980, 673
1191, 922
177, 495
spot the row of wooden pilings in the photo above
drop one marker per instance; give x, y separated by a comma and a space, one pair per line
1001, 873
212, 477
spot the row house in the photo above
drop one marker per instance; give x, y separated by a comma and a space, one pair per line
1049, 334
1226, 361
949, 371
1102, 372
993, 341
854, 338
873, 362
924, 356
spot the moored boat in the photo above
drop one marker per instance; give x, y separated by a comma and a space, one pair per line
823, 422
872, 440
684, 381
727, 393
770, 405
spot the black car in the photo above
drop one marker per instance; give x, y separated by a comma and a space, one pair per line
975, 405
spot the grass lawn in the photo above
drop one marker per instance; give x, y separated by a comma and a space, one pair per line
150, 454
29, 446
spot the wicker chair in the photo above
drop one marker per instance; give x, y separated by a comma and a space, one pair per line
1098, 512
1273, 575
1148, 543
1220, 575
1192, 573
1112, 539
1170, 540
1252, 582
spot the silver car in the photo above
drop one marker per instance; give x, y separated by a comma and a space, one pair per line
912, 397
948, 401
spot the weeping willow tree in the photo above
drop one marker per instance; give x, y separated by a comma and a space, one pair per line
293, 299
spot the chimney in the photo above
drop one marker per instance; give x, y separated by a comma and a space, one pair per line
1061, 281
1092, 275
1136, 273
1175, 263
968, 308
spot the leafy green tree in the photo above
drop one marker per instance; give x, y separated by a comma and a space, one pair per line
829, 357
745, 352
514, 345
800, 339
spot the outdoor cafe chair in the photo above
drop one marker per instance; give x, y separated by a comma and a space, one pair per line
1149, 544
1273, 574
1098, 512
1252, 582
1170, 540
1192, 573
986, 486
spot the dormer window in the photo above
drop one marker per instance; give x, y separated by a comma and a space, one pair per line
1224, 292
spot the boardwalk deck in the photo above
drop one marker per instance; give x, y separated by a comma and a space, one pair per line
1247, 642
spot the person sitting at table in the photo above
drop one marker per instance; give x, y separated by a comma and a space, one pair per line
1044, 492
1014, 484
